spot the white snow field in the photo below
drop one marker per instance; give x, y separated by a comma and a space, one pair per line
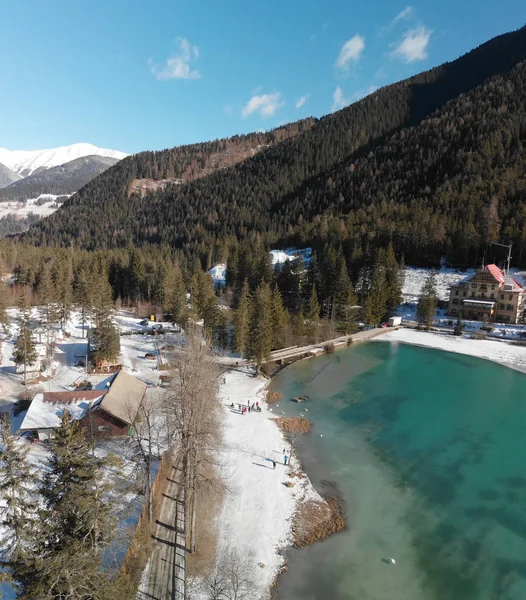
255, 520
25, 162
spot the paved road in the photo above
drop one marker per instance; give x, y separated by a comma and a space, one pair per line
166, 576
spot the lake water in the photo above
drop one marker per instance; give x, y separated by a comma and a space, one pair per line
428, 451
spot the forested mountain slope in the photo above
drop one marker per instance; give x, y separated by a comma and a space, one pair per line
369, 173
100, 214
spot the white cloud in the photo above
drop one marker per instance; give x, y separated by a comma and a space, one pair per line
266, 104
351, 52
338, 101
404, 14
413, 47
178, 66
301, 101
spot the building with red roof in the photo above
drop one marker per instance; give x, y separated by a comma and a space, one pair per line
489, 295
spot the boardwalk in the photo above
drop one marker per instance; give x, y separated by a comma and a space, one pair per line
289, 354
166, 574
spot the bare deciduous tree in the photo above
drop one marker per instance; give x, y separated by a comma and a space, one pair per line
193, 412
231, 580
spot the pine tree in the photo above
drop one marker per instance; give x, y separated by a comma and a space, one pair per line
312, 317
17, 496
4, 318
136, 275
459, 327
261, 325
242, 320
177, 300
280, 321
74, 526
299, 327
376, 300
83, 294
393, 281
427, 302
107, 342
25, 352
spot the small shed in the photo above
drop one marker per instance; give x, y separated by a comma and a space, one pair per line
395, 321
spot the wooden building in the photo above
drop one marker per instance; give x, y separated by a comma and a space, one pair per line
108, 412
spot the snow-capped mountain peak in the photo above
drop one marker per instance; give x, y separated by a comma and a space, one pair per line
26, 162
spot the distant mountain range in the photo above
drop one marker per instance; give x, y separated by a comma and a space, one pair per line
64, 179
7, 176
26, 174
27, 162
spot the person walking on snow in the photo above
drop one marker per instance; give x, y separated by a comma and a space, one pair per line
285, 459
273, 464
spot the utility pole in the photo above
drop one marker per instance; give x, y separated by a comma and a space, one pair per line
508, 260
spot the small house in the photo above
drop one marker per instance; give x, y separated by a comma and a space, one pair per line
107, 412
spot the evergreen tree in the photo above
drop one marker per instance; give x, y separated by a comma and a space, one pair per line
177, 300
242, 320
136, 275
393, 281
107, 342
299, 327
376, 301
25, 352
4, 318
17, 496
312, 317
459, 327
84, 292
261, 333
74, 526
427, 302
280, 321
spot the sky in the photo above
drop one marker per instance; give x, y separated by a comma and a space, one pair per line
136, 75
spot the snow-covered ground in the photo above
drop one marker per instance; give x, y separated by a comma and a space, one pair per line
23, 209
255, 520
415, 277
499, 352
278, 257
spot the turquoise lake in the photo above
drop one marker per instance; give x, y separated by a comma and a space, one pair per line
427, 449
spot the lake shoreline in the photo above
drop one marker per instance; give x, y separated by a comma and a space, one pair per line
497, 351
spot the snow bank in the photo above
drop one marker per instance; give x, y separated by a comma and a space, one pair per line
255, 521
499, 352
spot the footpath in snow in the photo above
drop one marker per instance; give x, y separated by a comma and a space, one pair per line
255, 520
500, 352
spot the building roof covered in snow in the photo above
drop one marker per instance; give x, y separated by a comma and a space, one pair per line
124, 397
46, 409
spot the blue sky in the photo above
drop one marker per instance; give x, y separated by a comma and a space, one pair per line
134, 75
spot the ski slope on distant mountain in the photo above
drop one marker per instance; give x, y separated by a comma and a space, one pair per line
26, 162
